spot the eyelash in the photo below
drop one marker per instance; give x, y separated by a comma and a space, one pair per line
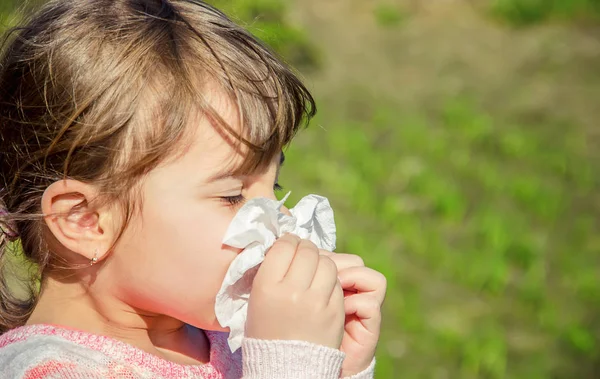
233, 200
238, 199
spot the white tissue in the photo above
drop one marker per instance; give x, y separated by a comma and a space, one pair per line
255, 228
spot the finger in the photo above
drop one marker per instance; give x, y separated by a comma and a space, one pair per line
343, 261
326, 253
337, 295
366, 308
325, 279
278, 259
364, 280
304, 265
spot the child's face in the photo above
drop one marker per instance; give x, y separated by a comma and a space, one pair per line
170, 261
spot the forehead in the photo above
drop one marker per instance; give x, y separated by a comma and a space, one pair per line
212, 147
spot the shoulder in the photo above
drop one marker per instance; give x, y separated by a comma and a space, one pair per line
49, 357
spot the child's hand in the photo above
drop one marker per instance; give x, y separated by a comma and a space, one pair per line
364, 290
296, 295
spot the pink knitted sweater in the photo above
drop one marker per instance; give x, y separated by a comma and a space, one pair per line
49, 352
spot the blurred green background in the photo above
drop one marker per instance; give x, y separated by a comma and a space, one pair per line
456, 140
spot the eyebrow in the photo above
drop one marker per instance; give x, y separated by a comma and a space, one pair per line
230, 172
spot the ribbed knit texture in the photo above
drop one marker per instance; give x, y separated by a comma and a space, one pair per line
368, 373
49, 352
262, 359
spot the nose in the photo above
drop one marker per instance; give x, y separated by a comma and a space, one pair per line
271, 195
264, 188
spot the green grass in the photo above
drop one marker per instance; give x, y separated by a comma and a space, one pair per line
387, 15
475, 222
528, 12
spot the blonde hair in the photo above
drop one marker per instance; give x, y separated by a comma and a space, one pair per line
100, 91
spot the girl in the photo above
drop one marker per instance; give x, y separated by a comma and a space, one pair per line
131, 132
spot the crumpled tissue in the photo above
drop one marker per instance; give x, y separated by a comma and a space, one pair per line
255, 228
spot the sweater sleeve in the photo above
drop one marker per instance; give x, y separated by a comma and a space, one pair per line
368, 373
278, 359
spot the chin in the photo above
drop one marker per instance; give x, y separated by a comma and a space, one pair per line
215, 326
208, 325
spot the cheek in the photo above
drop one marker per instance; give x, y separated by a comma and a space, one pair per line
180, 261
204, 260
196, 240
204, 233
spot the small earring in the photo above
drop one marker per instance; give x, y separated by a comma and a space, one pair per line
95, 259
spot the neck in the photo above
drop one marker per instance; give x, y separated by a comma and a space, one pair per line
72, 306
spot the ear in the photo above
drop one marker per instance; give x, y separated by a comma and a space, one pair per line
75, 222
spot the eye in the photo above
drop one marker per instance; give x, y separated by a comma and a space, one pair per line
238, 199
233, 200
